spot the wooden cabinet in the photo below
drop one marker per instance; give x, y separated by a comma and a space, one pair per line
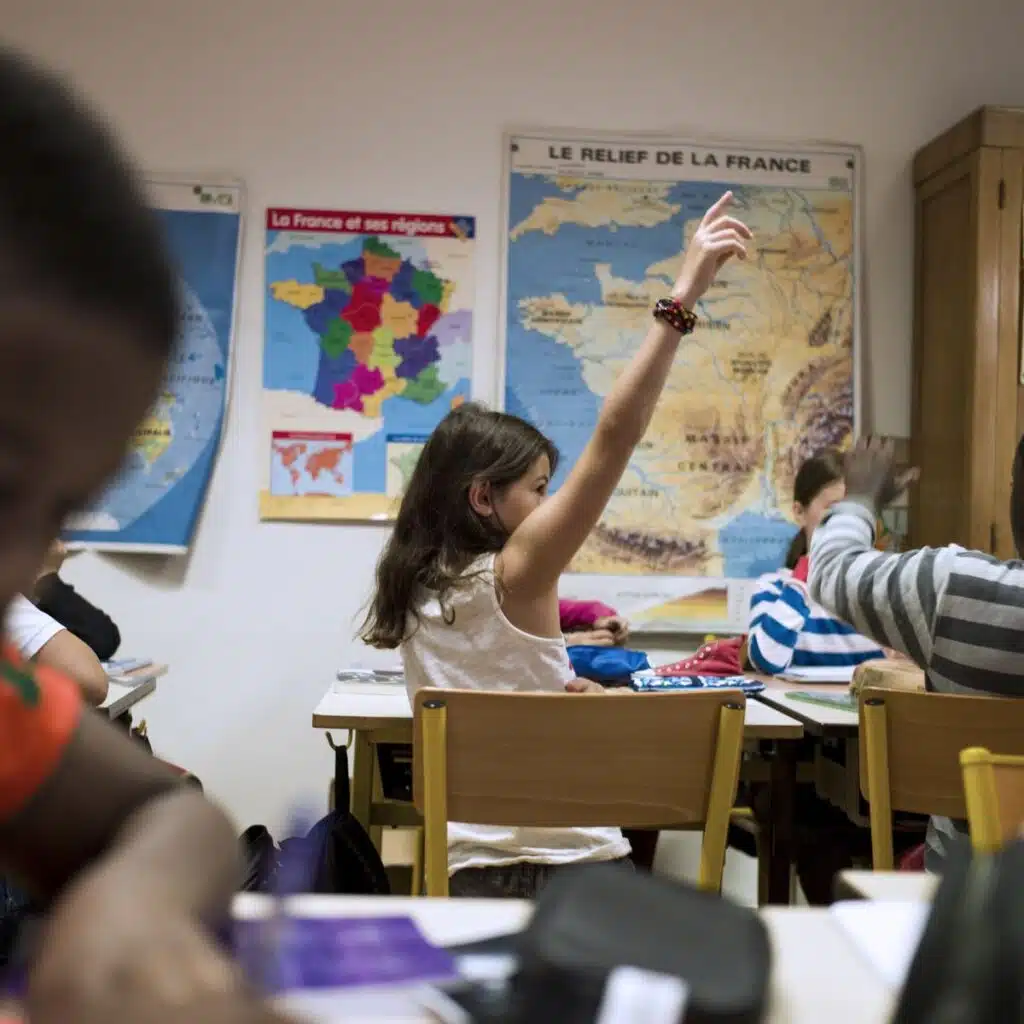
967, 411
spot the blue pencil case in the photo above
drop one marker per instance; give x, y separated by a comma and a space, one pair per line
650, 682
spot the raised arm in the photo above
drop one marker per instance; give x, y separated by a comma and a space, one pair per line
888, 597
541, 548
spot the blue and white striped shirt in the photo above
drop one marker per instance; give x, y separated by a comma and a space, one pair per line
790, 630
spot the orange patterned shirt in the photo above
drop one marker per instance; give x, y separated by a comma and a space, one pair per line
39, 712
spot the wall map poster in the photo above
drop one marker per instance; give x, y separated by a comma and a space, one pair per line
155, 502
595, 227
368, 332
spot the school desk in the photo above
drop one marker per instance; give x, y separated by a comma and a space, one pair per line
817, 974
380, 713
122, 697
836, 760
888, 886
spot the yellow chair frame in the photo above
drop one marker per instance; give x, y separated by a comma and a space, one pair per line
514, 759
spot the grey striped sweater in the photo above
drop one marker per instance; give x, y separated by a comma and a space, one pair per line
958, 614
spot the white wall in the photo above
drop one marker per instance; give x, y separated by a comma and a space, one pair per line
397, 104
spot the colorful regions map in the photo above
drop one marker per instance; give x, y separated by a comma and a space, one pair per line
595, 233
368, 337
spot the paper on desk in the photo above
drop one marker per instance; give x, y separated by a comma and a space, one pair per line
395, 1005
886, 934
819, 674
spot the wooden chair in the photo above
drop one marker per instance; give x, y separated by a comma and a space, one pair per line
994, 794
910, 745
564, 760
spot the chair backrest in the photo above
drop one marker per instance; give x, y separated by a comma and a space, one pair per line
564, 760
910, 745
994, 794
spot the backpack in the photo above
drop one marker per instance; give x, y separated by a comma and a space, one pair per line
334, 857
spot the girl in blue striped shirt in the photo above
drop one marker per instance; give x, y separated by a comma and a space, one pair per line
787, 628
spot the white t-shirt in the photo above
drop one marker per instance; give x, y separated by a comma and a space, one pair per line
28, 628
482, 650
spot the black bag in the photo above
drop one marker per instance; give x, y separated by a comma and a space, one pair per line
612, 944
336, 856
602, 934
348, 862
969, 967
259, 859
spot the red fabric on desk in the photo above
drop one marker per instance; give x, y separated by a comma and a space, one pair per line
719, 658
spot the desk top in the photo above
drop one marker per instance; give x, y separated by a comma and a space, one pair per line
121, 698
815, 718
367, 706
890, 886
817, 974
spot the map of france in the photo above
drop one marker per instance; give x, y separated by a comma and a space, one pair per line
368, 341
766, 380
373, 317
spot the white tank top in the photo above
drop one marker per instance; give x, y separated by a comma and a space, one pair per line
481, 650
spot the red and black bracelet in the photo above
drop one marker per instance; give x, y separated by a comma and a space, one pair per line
676, 315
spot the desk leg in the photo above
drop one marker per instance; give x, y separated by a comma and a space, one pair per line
779, 839
362, 778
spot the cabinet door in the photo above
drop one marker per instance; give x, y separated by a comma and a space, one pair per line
956, 350
1009, 396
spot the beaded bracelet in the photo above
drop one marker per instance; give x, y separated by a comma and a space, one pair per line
676, 315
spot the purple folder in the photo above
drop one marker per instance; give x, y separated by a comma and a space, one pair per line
323, 953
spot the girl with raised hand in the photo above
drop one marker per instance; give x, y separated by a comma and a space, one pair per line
467, 586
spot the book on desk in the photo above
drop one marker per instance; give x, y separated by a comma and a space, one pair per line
130, 671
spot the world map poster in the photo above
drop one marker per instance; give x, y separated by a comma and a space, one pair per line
595, 231
367, 346
154, 503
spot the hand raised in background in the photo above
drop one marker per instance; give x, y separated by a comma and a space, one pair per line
717, 239
871, 474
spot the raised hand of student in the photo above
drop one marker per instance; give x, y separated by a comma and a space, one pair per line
871, 474
718, 237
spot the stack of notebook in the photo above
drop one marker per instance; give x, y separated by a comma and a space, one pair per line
128, 671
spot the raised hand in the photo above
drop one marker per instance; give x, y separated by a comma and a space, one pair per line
871, 473
718, 238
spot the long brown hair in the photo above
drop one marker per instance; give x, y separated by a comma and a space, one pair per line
812, 478
437, 533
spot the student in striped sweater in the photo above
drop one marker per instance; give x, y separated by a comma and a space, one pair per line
788, 629
958, 614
